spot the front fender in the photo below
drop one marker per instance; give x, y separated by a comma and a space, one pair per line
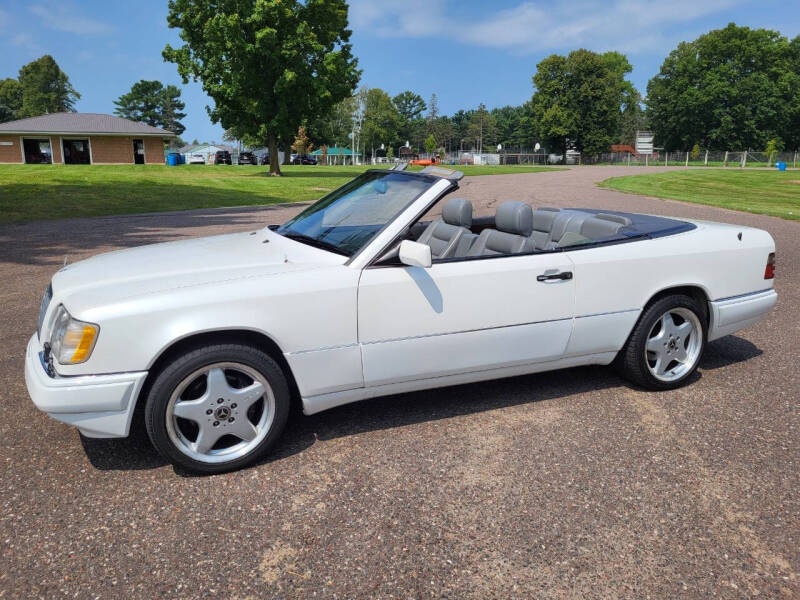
299, 312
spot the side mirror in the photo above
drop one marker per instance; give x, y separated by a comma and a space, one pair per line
415, 254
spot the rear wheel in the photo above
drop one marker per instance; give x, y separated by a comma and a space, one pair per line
665, 347
217, 408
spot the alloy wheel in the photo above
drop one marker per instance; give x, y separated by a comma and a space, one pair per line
220, 412
674, 344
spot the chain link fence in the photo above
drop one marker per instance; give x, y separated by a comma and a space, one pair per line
704, 158
660, 158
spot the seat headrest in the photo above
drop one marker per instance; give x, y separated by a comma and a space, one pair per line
457, 211
625, 221
543, 219
595, 229
514, 217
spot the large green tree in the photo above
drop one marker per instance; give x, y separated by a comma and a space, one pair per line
633, 119
578, 100
409, 105
460, 122
513, 127
381, 120
791, 137
443, 131
153, 103
267, 64
45, 89
482, 129
732, 88
335, 126
10, 99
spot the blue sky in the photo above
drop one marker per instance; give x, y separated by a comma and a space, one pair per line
465, 52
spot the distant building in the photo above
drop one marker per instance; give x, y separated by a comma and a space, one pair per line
623, 148
81, 138
336, 155
207, 151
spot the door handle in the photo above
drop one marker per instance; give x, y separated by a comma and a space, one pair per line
565, 275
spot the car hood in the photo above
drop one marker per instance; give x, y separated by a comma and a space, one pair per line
155, 268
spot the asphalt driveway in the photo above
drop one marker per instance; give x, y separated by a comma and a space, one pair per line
565, 484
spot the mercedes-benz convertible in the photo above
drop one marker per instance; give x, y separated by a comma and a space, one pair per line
386, 285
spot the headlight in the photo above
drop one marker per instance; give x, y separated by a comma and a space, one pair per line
71, 341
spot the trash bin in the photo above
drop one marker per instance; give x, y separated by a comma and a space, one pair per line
173, 159
181, 159
780, 165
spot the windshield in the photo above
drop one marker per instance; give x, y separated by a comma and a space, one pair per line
347, 219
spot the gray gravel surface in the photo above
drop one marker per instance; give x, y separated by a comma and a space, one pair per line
569, 484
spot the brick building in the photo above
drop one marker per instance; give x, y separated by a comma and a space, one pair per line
81, 138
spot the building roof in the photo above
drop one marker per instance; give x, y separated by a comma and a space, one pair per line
204, 148
335, 151
83, 123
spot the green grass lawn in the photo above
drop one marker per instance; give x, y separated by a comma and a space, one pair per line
29, 192
763, 192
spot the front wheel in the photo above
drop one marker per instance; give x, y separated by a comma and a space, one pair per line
217, 408
665, 347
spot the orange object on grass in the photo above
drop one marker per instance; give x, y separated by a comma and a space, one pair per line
425, 162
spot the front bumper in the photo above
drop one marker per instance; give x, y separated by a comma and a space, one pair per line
732, 314
99, 405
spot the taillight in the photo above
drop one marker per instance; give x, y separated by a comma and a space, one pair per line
769, 272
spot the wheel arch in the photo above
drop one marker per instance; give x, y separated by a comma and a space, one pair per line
626, 363
250, 337
697, 292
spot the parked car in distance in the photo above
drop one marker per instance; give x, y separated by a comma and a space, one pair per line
572, 158
360, 296
222, 157
264, 160
247, 158
304, 159
195, 158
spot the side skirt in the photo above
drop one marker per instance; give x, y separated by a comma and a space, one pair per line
315, 404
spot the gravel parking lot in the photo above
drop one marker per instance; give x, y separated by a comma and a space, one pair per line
569, 484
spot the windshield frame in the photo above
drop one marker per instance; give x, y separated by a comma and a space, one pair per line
286, 231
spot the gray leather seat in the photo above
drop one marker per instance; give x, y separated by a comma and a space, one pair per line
543, 220
452, 231
514, 223
595, 227
566, 221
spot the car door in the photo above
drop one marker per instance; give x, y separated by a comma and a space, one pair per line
463, 316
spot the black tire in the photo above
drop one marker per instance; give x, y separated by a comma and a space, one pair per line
182, 367
631, 361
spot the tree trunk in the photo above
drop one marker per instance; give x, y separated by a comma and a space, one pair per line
274, 167
287, 152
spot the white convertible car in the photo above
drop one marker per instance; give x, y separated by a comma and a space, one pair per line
365, 294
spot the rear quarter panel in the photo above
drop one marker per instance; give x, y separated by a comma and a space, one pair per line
712, 257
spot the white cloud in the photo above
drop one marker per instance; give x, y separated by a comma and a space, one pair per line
626, 25
412, 18
25, 41
66, 19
